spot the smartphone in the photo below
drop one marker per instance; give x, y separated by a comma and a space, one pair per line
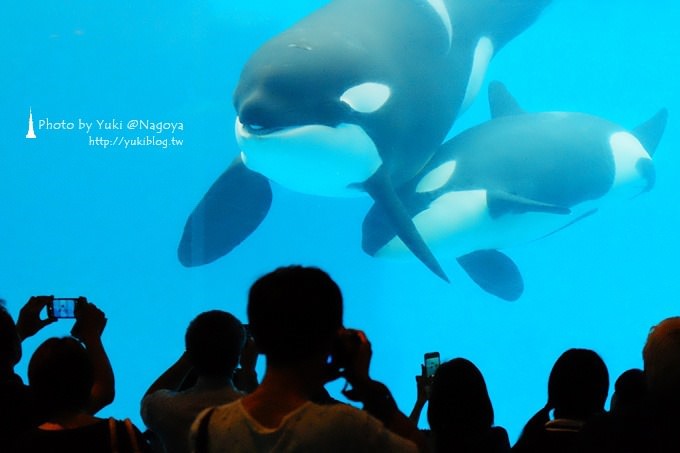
62, 307
432, 362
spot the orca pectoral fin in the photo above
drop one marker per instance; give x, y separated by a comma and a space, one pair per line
376, 229
501, 203
381, 190
494, 272
577, 219
233, 207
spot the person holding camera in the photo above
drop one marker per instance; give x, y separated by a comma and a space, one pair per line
21, 408
204, 376
71, 380
295, 316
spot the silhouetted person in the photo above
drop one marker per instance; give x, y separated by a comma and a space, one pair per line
661, 357
460, 412
657, 428
630, 392
65, 377
295, 316
20, 410
577, 390
214, 341
623, 421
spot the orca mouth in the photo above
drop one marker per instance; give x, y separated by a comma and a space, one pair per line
260, 130
253, 130
313, 159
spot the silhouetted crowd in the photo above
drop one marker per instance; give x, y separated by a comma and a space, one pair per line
211, 400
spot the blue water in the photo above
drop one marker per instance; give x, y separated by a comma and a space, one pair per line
78, 219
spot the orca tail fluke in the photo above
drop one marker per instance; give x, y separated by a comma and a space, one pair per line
381, 190
228, 213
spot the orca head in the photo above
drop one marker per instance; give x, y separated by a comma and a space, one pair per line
304, 115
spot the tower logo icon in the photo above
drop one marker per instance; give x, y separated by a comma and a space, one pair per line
30, 133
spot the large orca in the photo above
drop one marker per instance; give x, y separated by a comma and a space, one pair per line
516, 178
355, 98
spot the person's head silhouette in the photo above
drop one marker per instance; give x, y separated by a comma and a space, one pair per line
661, 356
295, 314
61, 375
578, 384
214, 340
459, 398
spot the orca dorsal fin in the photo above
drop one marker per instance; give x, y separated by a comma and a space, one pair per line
649, 133
501, 102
